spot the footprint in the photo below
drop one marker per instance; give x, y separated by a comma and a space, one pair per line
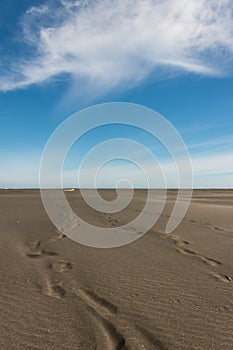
110, 219
210, 261
34, 246
207, 224
113, 222
96, 302
149, 339
55, 291
100, 309
59, 235
58, 291
48, 252
34, 255
41, 254
185, 242
223, 278
205, 259
36, 250
179, 242
188, 251
60, 266
133, 230
113, 339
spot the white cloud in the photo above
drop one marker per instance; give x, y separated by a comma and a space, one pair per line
110, 43
212, 144
210, 165
208, 171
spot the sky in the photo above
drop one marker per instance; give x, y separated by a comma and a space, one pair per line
60, 56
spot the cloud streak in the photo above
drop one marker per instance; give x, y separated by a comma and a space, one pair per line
109, 43
24, 172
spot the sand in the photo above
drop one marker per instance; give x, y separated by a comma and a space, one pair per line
160, 292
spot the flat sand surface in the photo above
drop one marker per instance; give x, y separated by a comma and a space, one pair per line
160, 292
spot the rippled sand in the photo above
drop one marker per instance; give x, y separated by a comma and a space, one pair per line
160, 292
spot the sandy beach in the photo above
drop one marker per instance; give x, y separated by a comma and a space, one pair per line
164, 291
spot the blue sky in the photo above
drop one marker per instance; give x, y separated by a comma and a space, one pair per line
57, 57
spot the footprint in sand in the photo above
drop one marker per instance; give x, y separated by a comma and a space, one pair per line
218, 228
113, 222
55, 290
36, 250
60, 266
100, 308
58, 291
133, 230
222, 278
210, 261
56, 237
148, 339
98, 303
181, 249
110, 220
113, 332
205, 259
116, 332
178, 241
35, 246
109, 338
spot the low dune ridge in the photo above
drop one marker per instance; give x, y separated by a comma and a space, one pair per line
163, 291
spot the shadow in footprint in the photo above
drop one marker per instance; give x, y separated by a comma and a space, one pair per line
36, 250
151, 339
222, 278
114, 339
205, 259
54, 290
96, 302
60, 266
59, 291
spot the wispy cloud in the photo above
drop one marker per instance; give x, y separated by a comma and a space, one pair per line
109, 43
208, 171
211, 145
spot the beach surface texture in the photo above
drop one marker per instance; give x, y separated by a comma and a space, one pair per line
163, 291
